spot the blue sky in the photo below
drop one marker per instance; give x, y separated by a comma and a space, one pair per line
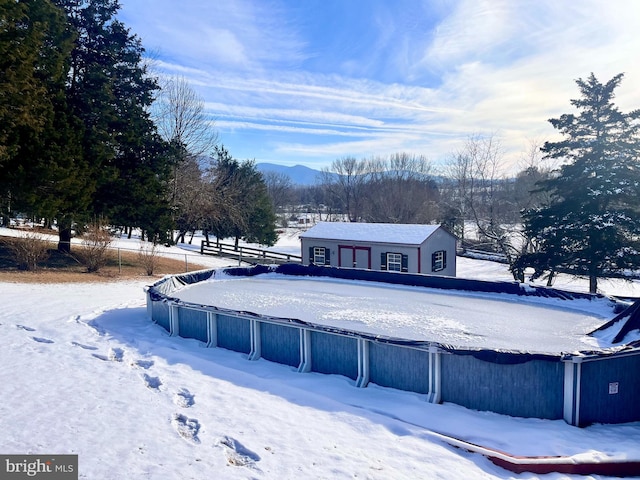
311, 81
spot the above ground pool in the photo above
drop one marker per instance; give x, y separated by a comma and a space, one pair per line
504, 347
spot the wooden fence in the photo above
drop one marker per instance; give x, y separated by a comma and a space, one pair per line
249, 255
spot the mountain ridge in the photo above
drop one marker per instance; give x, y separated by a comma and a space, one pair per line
299, 174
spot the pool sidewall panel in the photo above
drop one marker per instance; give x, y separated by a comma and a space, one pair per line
399, 367
160, 311
530, 389
192, 323
334, 354
280, 344
599, 380
234, 333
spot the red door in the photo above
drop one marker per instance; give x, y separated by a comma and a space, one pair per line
354, 257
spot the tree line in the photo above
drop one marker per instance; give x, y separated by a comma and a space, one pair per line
87, 132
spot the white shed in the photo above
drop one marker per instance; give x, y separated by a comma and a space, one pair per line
428, 249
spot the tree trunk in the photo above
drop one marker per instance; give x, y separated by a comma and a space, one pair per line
593, 284
64, 235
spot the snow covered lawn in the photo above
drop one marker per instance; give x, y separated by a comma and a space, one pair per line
83, 371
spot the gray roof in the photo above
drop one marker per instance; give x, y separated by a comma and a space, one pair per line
407, 234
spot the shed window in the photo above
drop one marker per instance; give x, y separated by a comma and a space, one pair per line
319, 255
438, 260
394, 262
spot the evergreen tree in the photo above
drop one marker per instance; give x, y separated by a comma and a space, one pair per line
36, 135
242, 208
109, 93
591, 225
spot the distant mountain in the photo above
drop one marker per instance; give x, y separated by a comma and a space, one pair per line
299, 174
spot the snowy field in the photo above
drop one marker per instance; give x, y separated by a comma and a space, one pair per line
84, 371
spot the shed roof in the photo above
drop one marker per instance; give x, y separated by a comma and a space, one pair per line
408, 234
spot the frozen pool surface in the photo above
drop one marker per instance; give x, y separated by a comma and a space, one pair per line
458, 318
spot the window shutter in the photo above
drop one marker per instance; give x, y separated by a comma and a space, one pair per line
444, 259
405, 263
327, 256
310, 255
383, 261
433, 262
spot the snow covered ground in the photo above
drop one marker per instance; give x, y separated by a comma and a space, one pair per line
84, 371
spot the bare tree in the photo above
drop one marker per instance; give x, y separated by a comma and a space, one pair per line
280, 191
345, 183
401, 190
181, 119
191, 200
481, 190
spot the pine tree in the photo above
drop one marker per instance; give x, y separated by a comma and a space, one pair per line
36, 138
591, 225
109, 93
241, 207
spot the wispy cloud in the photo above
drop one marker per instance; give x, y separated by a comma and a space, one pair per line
288, 81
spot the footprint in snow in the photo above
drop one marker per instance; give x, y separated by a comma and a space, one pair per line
184, 398
237, 454
146, 364
24, 327
85, 347
152, 383
42, 340
187, 428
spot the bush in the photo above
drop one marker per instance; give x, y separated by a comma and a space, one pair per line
29, 250
95, 246
148, 255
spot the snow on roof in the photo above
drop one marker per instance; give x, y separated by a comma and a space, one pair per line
410, 234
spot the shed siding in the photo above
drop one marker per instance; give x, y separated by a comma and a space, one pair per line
439, 240
334, 354
398, 367
280, 344
160, 312
192, 323
234, 333
597, 404
531, 389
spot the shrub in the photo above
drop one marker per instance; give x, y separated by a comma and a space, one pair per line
96, 241
29, 250
148, 255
